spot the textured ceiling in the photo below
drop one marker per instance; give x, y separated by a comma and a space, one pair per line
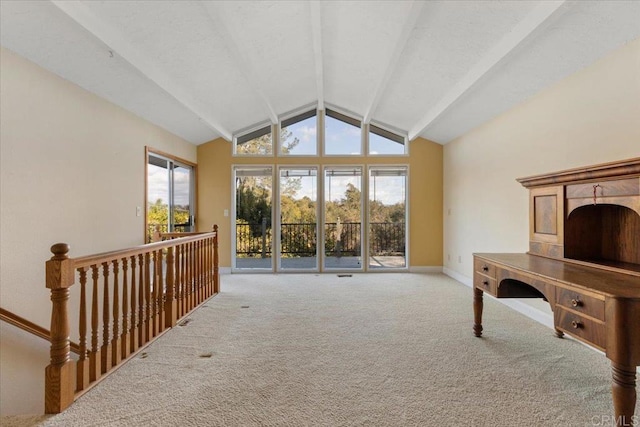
205, 69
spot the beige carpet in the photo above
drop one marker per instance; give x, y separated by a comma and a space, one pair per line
367, 350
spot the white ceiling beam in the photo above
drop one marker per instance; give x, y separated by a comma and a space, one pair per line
392, 62
112, 38
316, 35
540, 15
238, 56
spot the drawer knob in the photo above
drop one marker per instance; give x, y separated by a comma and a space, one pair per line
485, 283
576, 302
576, 324
485, 268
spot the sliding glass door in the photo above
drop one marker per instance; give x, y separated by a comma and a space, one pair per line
387, 217
170, 194
343, 217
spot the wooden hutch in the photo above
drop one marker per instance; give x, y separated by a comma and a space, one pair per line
584, 259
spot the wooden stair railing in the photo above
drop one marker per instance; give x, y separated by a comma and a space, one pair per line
127, 298
32, 328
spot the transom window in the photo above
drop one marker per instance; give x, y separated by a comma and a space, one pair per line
257, 143
384, 142
299, 135
342, 135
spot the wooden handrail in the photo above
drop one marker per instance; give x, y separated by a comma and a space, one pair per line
127, 298
32, 328
89, 260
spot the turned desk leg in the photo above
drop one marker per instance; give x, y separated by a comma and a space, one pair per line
623, 390
477, 311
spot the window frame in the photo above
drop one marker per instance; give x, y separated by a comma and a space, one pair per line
193, 187
389, 133
407, 213
253, 133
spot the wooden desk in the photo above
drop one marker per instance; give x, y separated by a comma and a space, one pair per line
596, 306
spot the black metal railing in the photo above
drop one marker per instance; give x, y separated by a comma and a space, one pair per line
300, 239
387, 238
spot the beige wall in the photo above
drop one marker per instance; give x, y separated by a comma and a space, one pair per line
72, 170
215, 162
590, 117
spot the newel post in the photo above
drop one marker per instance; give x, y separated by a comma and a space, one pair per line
59, 375
216, 273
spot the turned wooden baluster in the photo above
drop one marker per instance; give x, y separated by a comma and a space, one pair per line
124, 338
160, 291
187, 278
148, 303
192, 259
170, 305
82, 371
133, 334
105, 350
198, 278
94, 359
179, 284
207, 267
116, 349
59, 375
141, 302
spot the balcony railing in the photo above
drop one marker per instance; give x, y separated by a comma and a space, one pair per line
299, 239
126, 299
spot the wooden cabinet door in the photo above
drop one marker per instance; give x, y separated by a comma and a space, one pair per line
546, 221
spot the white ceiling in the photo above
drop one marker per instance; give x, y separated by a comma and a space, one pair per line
205, 69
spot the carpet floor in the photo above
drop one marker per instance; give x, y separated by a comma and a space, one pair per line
367, 350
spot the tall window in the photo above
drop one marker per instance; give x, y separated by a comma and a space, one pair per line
299, 136
343, 217
257, 143
387, 217
342, 135
383, 142
253, 210
170, 194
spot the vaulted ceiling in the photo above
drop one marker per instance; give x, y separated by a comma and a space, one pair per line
208, 69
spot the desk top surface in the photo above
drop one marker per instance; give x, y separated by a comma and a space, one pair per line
610, 283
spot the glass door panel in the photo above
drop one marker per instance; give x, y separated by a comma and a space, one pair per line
253, 207
387, 217
343, 217
181, 217
298, 218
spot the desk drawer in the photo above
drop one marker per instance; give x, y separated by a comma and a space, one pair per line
576, 301
487, 284
581, 327
484, 267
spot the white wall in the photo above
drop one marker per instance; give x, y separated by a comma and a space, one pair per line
72, 170
590, 117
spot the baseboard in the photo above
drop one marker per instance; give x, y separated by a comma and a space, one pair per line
522, 308
426, 269
457, 276
224, 270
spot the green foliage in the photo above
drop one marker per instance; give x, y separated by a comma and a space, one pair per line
158, 213
263, 145
253, 204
